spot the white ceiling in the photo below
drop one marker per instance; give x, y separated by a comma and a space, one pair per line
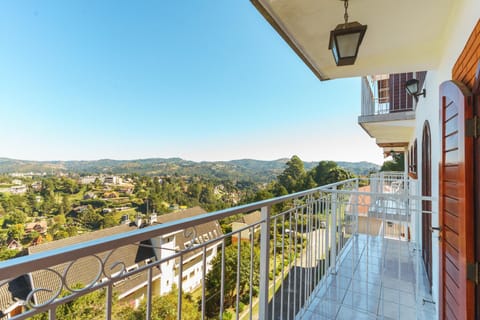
402, 35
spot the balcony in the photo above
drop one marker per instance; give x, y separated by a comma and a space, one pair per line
348, 249
388, 113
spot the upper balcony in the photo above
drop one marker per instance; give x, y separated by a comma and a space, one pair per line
388, 112
346, 250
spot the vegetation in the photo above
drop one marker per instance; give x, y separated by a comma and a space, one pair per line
396, 164
69, 207
213, 279
246, 170
92, 306
295, 178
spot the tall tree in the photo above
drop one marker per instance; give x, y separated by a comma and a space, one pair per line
396, 164
292, 178
213, 279
321, 171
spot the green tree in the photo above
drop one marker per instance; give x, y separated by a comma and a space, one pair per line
6, 254
32, 236
14, 217
67, 205
320, 172
89, 306
338, 174
165, 308
396, 164
292, 178
213, 279
60, 219
327, 172
16, 231
71, 230
90, 218
61, 234
109, 220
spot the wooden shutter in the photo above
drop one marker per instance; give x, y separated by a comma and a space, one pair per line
457, 296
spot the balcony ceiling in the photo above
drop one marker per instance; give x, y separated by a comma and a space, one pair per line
402, 36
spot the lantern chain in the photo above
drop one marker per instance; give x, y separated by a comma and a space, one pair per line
345, 4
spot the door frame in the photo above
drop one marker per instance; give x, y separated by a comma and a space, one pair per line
476, 160
427, 204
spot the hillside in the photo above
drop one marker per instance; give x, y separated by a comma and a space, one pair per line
244, 169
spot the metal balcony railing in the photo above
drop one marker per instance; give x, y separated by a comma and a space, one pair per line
374, 103
270, 268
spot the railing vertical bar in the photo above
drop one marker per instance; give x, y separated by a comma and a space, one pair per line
309, 251
52, 314
290, 261
222, 286
274, 269
264, 262
282, 285
204, 273
333, 232
295, 265
109, 302
180, 275
237, 302
301, 283
149, 294
317, 242
251, 272
328, 231
252, 230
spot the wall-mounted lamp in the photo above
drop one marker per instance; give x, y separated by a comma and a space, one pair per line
345, 40
413, 89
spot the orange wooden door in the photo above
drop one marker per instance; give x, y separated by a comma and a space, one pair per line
457, 294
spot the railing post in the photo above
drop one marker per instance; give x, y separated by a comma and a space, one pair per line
357, 187
333, 231
264, 262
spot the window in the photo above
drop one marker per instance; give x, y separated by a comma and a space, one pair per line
412, 160
383, 91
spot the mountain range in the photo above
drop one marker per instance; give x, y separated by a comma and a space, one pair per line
244, 169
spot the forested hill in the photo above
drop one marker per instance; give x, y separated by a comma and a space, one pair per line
245, 169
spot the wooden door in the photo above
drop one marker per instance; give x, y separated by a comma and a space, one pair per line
427, 204
457, 294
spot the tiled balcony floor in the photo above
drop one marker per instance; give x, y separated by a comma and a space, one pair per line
377, 278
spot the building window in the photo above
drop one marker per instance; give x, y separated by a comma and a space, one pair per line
412, 166
383, 91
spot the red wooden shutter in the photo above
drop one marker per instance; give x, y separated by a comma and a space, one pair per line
457, 295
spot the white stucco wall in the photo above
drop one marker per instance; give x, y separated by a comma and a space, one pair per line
466, 15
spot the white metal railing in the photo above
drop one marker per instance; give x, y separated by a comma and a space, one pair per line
299, 238
372, 104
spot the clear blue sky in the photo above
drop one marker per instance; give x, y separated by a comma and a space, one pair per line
201, 80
